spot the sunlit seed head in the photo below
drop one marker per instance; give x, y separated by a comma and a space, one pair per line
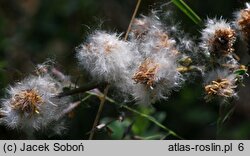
32, 104
218, 38
108, 58
27, 101
243, 22
101, 43
155, 78
222, 43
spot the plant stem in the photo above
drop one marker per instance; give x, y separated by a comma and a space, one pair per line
132, 19
102, 101
81, 89
150, 118
187, 10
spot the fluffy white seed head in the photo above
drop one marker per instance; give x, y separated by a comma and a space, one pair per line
242, 18
242, 24
106, 57
218, 38
31, 104
154, 79
142, 26
158, 41
152, 37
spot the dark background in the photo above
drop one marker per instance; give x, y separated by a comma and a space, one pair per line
33, 30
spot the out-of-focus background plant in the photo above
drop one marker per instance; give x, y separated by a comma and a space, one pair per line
33, 30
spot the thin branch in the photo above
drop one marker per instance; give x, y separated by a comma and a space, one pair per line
72, 106
103, 98
81, 89
132, 19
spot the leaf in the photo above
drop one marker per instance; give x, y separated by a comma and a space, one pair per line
116, 127
140, 123
150, 118
240, 72
187, 10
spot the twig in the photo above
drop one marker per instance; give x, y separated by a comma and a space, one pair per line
81, 89
103, 98
132, 19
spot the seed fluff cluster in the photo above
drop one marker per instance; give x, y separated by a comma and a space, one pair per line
155, 60
224, 70
242, 20
145, 66
158, 57
32, 104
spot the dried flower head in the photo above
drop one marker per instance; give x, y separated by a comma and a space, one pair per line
32, 104
218, 38
223, 41
220, 84
220, 87
242, 23
27, 101
146, 73
155, 78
